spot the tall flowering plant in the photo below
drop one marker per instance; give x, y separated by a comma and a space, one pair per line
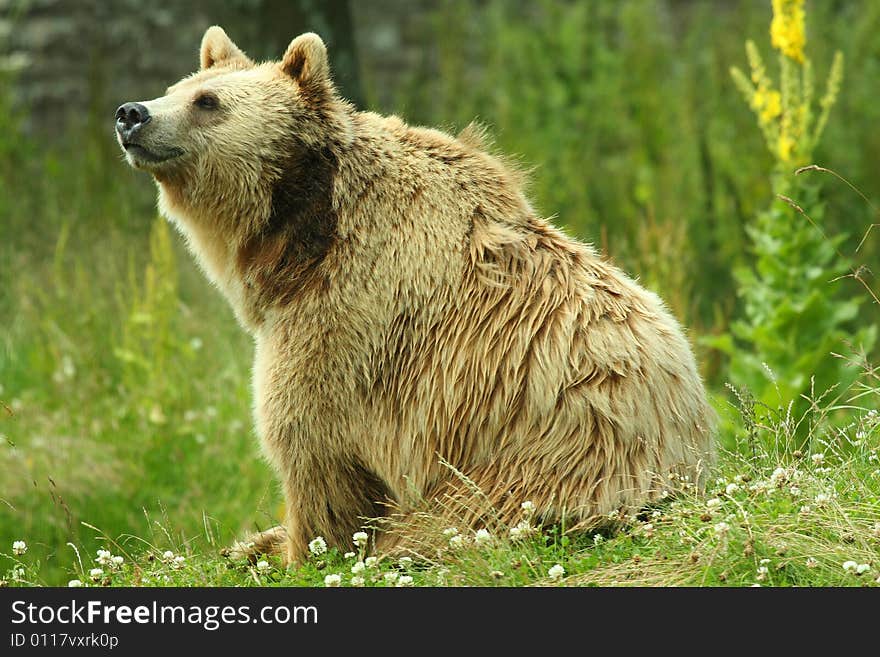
793, 316
785, 113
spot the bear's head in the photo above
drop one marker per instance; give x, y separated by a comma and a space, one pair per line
220, 139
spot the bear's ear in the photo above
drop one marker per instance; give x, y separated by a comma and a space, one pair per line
218, 48
306, 60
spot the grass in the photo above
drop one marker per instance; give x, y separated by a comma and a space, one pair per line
806, 520
124, 403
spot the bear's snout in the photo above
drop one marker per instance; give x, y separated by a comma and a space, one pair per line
130, 117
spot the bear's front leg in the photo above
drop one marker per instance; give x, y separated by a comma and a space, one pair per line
332, 499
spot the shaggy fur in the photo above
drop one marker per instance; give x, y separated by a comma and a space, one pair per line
411, 311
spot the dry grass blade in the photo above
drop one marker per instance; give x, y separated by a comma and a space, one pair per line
855, 272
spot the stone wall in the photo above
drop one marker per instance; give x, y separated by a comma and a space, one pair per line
71, 59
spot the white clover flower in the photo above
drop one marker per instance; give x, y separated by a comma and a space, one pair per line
156, 415
528, 508
795, 491
764, 562
369, 562
104, 557
811, 563
167, 555
522, 530
96, 574
391, 577
19, 548
482, 536
722, 528
404, 580
456, 541
358, 567
178, 562
318, 546
779, 475
818, 458
360, 539
349, 555
556, 572
74, 584
450, 532
822, 499
648, 529
656, 514
332, 580
731, 489
262, 566
713, 503
405, 562
357, 581
862, 568
598, 538
762, 573
850, 565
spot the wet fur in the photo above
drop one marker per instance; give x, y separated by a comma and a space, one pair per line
411, 312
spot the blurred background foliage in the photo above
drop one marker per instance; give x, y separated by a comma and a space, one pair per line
125, 375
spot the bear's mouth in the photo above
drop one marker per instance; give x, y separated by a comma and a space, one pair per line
139, 154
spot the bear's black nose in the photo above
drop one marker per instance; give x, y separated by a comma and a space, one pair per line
129, 117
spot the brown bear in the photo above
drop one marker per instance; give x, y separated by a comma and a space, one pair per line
419, 329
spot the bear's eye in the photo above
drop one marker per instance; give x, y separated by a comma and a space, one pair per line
207, 101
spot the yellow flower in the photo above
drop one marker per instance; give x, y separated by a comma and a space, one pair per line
767, 103
785, 147
772, 107
787, 32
